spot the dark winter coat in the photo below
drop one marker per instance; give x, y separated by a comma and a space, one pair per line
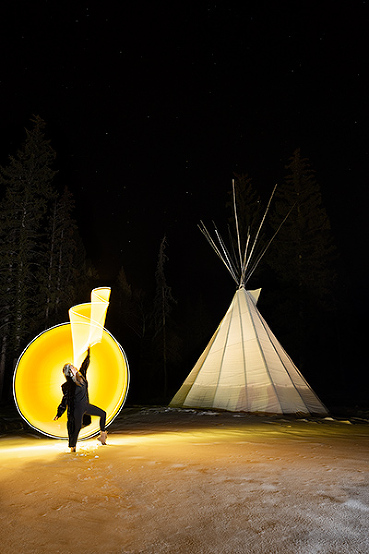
67, 403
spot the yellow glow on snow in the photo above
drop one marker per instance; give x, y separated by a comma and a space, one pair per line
38, 379
150, 442
23, 447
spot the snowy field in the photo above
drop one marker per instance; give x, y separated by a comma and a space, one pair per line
190, 482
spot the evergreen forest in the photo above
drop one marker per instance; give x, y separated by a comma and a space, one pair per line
45, 269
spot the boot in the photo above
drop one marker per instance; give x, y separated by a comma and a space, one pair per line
72, 448
102, 437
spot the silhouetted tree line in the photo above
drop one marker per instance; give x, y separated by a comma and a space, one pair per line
43, 268
44, 271
152, 337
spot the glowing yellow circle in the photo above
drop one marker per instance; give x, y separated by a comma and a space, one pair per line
38, 378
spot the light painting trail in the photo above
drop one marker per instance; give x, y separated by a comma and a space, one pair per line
38, 375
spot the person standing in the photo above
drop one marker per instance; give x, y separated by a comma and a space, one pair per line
76, 401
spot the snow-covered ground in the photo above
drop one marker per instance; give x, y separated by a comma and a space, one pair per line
190, 482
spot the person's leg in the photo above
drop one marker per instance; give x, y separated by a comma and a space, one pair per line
73, 430
95, 411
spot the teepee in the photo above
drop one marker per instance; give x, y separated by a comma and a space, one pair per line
244, 367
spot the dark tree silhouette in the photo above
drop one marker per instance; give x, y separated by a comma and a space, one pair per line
303, 255
306, 251
163, 304
63, 273
27, 182
42, 259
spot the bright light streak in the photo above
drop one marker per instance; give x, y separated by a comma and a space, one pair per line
38, 376
87, 321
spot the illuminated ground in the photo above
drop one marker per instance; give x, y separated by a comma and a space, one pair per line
190, 483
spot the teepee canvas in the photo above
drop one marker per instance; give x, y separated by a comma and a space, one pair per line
244, 367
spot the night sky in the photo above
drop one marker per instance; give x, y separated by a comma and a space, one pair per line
152, 107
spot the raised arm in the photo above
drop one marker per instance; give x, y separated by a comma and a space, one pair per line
85, 364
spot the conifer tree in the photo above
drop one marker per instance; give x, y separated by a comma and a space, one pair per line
124, 295
305, 242
131, 307
59, 273
26, 183
163, 304
303, 253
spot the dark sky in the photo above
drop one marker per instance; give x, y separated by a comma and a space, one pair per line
152, 107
